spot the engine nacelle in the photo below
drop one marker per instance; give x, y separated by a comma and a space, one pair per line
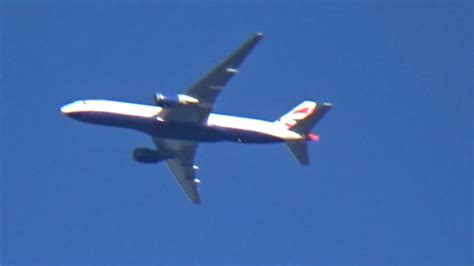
174, 100
145, 155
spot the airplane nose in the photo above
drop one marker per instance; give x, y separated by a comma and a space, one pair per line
67, 109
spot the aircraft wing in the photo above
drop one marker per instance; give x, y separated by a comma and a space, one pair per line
182, 165
208, 88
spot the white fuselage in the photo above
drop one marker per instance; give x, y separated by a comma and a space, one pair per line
147, 119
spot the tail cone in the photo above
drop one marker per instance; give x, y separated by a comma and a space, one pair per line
312, 137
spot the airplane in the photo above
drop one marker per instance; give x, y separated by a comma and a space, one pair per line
178, 123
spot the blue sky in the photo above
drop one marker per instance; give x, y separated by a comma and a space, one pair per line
390, 180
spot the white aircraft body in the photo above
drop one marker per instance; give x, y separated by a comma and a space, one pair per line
178, 123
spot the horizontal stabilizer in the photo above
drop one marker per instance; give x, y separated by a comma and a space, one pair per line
299, 149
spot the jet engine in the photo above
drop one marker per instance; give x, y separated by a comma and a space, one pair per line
174, 100
145, 155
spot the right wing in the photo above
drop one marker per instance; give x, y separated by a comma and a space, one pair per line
182, 165
208, 88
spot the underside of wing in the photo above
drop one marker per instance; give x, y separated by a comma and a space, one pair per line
185, 176
208, 88
182, 165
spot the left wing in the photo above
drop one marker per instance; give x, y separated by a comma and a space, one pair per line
208, 88
182, 165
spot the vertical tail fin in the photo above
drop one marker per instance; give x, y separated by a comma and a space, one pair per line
297, 114
304, 116
302, 119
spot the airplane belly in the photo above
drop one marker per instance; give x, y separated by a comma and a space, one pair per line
184, 131
152, 126
173, 130
245, 136
108, 119
249, 130
204, 133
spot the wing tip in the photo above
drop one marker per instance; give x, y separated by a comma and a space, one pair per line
258, 36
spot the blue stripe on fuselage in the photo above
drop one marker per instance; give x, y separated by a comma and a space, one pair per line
173, 130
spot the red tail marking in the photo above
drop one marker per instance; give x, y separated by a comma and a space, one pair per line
306, 110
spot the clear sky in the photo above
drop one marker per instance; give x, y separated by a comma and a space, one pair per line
390, 180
